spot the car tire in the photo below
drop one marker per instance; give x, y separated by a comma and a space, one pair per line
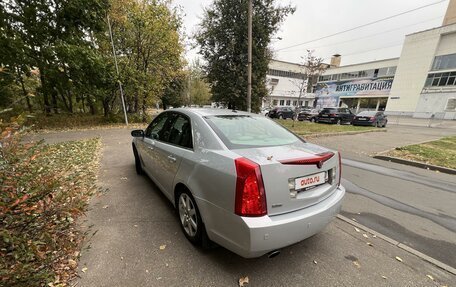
338, 122
138, 166
312, 120
280, 117
384, 125
189, 217
378, 125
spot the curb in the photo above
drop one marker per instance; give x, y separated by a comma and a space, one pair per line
416, 164
400, 245
342, 133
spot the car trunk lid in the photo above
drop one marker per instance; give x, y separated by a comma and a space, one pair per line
295, 176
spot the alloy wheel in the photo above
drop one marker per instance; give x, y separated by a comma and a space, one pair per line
188, 215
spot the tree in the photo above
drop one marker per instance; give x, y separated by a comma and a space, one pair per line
312, 68
198, 90
222, 40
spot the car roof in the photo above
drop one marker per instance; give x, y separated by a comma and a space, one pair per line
203, 112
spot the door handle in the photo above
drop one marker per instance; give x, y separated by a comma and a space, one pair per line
171, 158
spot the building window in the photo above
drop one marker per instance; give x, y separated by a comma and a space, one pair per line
300, 103
274, 102
281, 102
295, 103
288, 102
441, 79
444, 62
285, 74
451, 105
306, 103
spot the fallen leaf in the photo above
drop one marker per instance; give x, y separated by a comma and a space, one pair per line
370, 244
384, 277
121, 257
135, 225
147, 271
162, 247
398, 259
365, 235
354, 219
243, 280
315, 262
357, 229
374, 236
356, 263
84, 269
106, 206
72, 263
430, 277
124, 178
158, 278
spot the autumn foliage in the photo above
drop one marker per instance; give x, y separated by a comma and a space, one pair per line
44, 188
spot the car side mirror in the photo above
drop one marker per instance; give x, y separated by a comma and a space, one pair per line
137, 133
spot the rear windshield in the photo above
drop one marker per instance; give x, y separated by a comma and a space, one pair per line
247, 131
327, 111
367, 114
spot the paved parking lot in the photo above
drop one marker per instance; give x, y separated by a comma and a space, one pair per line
138, 242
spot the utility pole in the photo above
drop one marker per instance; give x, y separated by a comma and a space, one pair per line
117, 70
249, 59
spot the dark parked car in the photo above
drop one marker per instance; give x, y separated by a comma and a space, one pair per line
308, 115
373, 118
281, 113
335, 116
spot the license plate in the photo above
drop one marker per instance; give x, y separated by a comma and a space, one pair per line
310, 180
324, 115
362, 119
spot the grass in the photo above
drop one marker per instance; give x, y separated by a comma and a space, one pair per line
41, 122
441, 152
45, 189
306, 128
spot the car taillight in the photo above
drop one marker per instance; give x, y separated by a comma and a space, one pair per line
372, 118
332, 115
250, 196
340, 169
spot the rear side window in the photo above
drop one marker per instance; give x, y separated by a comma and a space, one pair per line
181, 133
247, 131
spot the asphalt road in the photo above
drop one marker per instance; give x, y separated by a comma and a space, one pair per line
132, 220
413, 206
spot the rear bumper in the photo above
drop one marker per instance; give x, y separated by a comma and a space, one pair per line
363, 123
327, 120
252, 237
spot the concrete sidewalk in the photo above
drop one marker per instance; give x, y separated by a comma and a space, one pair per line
133, 219
419, 122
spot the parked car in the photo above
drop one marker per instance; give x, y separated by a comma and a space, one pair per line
265, 112
281, 113
308, 115
370, 118
239, 179
335, 116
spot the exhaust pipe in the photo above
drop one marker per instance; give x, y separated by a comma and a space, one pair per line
273, 254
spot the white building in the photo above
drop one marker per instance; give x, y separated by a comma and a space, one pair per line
284, 81
421, 83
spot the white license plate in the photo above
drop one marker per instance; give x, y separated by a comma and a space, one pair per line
362, 119
311, 180
324, 115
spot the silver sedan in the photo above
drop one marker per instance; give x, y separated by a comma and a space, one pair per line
239, 179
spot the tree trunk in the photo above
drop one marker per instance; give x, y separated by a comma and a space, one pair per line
24, 92
47, 106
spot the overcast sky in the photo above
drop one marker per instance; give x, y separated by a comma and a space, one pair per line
318, 18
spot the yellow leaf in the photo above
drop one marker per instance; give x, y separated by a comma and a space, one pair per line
162, 247
84, 269
356, 263
398, 259
430, 277
243, 281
